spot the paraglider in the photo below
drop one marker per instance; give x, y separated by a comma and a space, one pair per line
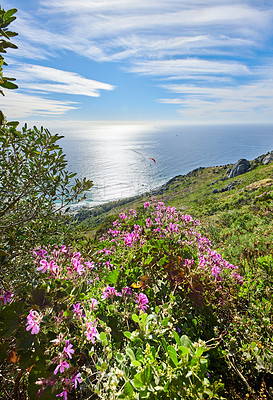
151, 158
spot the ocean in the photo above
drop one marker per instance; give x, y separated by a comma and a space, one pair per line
125, 160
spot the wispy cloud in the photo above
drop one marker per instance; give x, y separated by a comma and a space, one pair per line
210, 50
189, 66
247, 101
45, 79
124, 29
20, 106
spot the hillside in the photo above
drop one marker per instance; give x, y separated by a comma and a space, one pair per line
227, 216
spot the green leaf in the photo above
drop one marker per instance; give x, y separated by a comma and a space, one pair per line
103, 336
112, 277
119, 357
135, 318
127, 334
185, 341
128, 389
9, 13
146, 375
104, 365
164, 343
130, 353
136, 363
8, 85
172, 354
176, 337
199, 352
138, 381
184, 350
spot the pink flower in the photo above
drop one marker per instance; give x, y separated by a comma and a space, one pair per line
172, 228
215, 271
78, 310
53, 267
63, 394
126, 291
58, 339
68, 349
76, 379
62, 365
38, 252
93, 304
142, 300
122, 216
64, 249
148, 222
43, 266
147, 204
78, 266
90, 265
33, 320
239, 278
91, 331
6, 297
110, 292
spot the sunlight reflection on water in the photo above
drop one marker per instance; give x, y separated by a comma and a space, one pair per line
117, 158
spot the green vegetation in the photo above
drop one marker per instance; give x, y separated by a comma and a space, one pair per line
135, 299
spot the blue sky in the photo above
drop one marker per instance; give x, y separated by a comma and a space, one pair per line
186, 61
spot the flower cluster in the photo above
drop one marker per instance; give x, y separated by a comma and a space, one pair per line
5, 297
33, 321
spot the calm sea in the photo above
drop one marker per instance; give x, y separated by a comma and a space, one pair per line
118, 158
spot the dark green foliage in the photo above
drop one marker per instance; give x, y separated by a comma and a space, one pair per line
6, 17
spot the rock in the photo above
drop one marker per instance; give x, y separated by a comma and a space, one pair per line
230, 186
267, 159
241, 167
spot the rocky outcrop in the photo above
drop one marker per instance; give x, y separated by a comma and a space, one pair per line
241, 167
268, 158
230, 186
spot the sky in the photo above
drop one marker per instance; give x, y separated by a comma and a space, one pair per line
120, 61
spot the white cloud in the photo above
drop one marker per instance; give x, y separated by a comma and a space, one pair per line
189, 66
33, 77
121, 29
249, 102
19, 106
211, 44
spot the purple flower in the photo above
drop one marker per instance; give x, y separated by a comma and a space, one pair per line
76, 379
142, 300
126, 291
147, 204
6, 297
110, 292
68, 349
215, 271
63, 394
33, 320
62, 365
78, 310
